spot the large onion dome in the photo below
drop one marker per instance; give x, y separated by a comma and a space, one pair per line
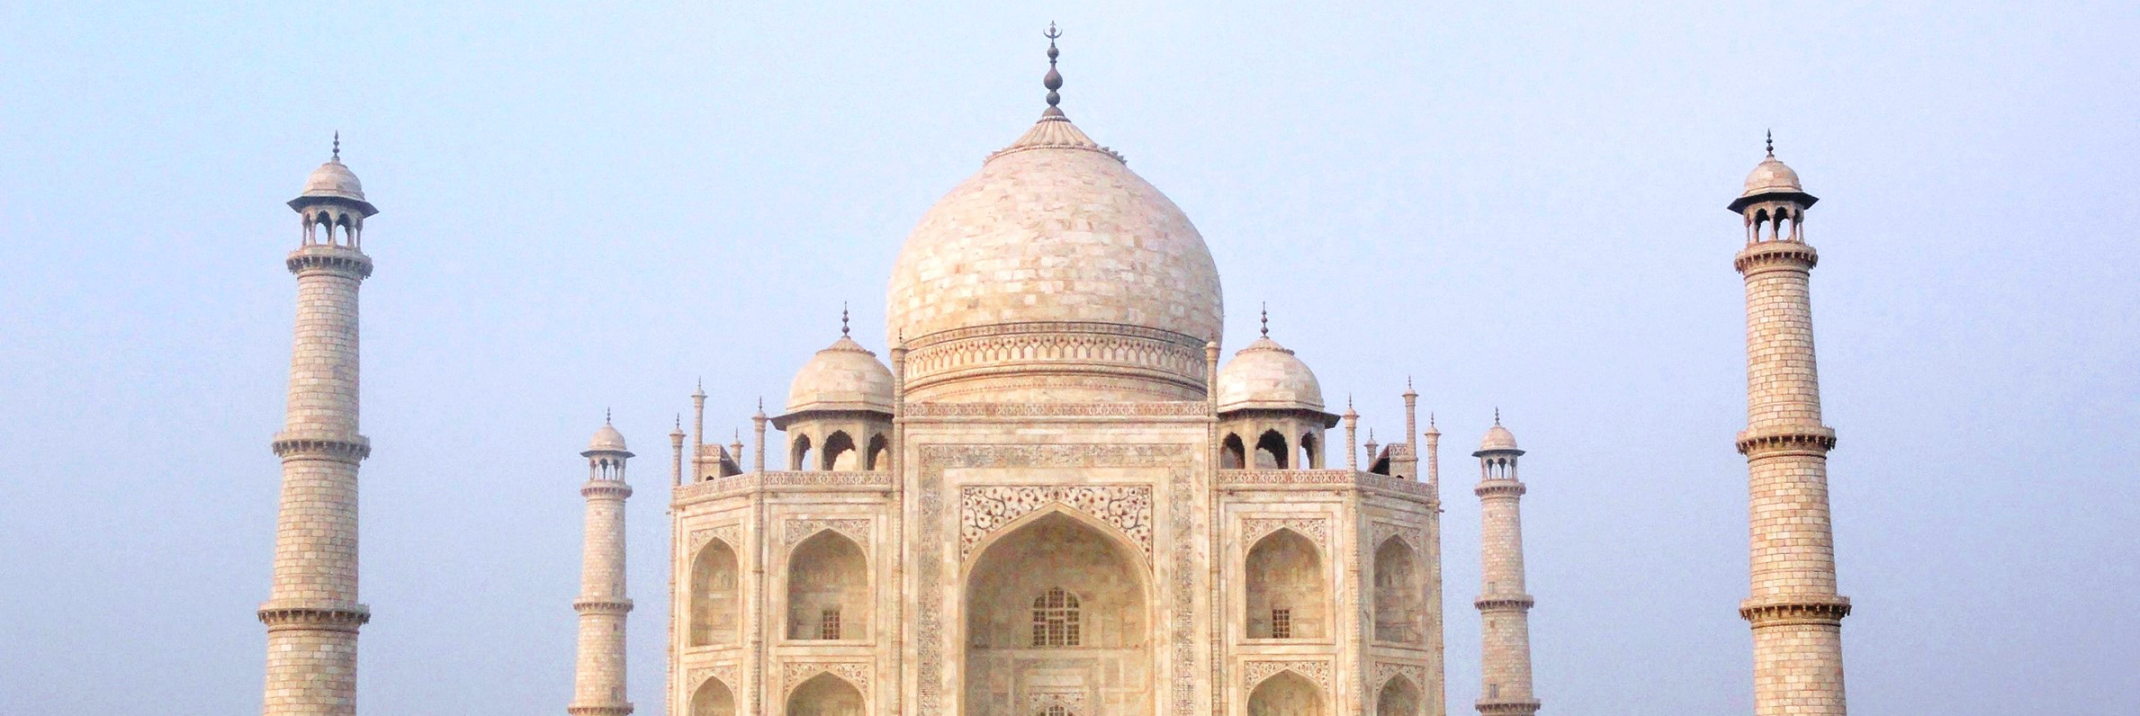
1054, 274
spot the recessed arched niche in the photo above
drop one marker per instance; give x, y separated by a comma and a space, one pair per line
828, 589
713, 698
1398, 595
1058, 603
1285, 694
1286, 595
714, 603
1399, 697
825, 695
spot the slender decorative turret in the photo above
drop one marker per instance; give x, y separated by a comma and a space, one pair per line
598, 680
1796, 614
1504, 604
312, 614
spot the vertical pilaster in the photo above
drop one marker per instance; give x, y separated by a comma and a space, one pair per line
1793, 606
312, 614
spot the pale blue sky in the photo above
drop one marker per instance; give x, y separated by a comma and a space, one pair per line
1518, 205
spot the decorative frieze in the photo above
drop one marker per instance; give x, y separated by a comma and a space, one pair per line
1316, 529
795, 530
1254, 672
984, 509
793, 673
1412, 536
1386, 670
1152, 409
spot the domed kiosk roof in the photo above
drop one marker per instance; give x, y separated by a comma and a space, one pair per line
1055, 252
1498, 439
334, 183
606, 439
843, 376
1267, 376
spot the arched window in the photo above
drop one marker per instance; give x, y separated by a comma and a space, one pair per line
799, 458
1055, 619
1285, 588
713, 699
839, 452
880, 453
1397, 593
1233, 455
1271, 451
1307, 452
825, 695
828, 589
1399, 697
714, 595
1285, 694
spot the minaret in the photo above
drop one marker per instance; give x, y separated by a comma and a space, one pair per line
1505, 640
312, 613
598, 679
1796, 614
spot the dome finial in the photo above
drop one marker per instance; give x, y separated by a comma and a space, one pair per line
843, 319
338, 145
1266, 319
605, 417
1497, 415
1771, 143
1054, 80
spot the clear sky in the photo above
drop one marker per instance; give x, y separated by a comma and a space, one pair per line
1516, 205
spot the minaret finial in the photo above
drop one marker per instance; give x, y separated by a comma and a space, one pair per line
843, 319
1054, 80
1266, 319
605, 417
1771, 142
338, 145
1497, 415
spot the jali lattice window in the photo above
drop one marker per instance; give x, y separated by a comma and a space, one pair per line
1055, 619
828, 623
1056, 710
1282, 623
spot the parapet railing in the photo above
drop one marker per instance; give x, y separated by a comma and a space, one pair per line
795, 480
1322, 480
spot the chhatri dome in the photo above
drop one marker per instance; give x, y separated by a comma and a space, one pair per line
1267, 376
1497, 438
843, 376
606, 439
1055, 263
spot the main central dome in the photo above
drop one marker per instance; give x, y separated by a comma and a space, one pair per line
1055, 274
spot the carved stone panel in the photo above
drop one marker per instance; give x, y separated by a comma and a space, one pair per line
1254, 672
982, 510
795, 672
1316, 529
795, 530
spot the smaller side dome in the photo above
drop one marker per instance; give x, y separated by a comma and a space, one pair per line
334, 179
1771, 175
843, 376
1498, 438
1267, 376
606, 439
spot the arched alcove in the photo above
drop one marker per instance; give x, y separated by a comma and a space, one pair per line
840, 452
1233, 454
1399, 697
1285, 694
828, 589
1023, 595
799, 457
1271, 451
1286, 596
825, 695
880, 454
1308, 450
713, 698
714, 612
1398, 597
